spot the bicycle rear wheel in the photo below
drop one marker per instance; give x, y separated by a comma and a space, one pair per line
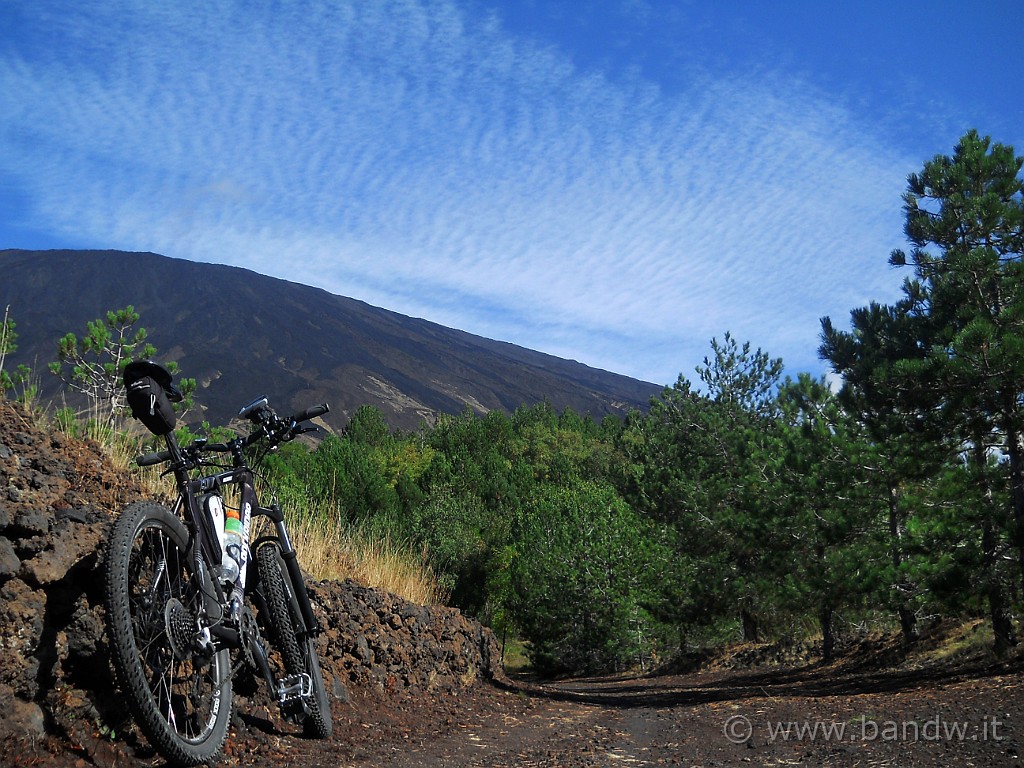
178, 687
299, 655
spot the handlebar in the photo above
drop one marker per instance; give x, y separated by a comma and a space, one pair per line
270, 426
149, 459
311, 413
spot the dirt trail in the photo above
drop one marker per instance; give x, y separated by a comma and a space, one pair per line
811, 716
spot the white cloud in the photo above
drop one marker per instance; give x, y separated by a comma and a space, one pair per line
415, 157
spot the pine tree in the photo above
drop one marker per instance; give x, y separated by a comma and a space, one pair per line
705, 476
93, 365
902, 443
971, 208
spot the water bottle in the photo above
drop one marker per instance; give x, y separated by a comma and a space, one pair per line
228, 534
231, 564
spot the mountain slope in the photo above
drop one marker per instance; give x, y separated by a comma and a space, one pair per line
242, 335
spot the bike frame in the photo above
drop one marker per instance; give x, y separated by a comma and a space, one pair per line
207, 544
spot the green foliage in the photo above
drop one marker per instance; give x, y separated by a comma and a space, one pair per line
739, 378
368, 427
965, 218
19, 382
586, 570
836, 549
706, 461
347, 473
93, 364
7, 345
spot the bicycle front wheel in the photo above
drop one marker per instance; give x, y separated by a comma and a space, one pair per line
299, 654
178, 686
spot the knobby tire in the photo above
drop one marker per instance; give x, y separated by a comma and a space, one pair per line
180, 697
299, 655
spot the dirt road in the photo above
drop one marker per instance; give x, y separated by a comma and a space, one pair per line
811, 716
748, 719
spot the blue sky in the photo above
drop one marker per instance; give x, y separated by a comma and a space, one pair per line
612, 182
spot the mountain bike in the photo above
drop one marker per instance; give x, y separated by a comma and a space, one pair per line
185, 611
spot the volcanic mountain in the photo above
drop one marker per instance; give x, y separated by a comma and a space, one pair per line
243, 335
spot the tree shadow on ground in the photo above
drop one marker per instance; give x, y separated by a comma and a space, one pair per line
811, 680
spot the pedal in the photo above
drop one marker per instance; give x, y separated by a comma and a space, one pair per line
295, 688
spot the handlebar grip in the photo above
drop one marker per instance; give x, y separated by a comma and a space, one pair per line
149, 459
311, 413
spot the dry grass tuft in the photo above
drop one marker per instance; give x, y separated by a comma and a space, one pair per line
329, 549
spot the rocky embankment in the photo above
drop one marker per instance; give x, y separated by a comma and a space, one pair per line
58, 497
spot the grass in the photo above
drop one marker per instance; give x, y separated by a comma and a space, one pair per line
329, 549
515, 656
962, 640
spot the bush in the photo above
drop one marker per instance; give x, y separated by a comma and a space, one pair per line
583, 575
